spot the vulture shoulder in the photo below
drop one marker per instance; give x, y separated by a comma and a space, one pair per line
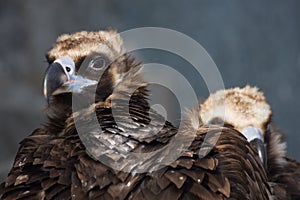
283, 172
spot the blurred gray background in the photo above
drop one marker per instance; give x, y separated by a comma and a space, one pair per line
252, 42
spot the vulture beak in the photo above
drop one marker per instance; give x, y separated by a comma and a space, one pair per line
61, 78
255, 138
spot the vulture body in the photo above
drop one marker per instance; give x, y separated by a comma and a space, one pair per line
246, 108
54, 162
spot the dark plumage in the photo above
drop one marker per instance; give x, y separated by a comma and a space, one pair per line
247, 107
283, 172
53, 162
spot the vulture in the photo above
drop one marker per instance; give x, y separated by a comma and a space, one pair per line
247, 111
102, 140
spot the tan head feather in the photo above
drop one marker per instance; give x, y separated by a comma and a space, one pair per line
81, 44
239, 107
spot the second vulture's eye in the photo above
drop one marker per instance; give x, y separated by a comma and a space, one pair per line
97, 63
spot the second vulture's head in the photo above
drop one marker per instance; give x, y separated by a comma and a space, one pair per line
99, 53
244, 109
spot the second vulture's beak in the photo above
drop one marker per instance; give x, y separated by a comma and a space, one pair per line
255, 138
61, 78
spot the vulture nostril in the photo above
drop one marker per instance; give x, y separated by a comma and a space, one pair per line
68, 69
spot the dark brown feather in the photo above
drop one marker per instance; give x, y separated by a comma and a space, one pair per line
283, 172
53, 163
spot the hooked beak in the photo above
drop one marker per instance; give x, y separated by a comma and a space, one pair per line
57, 81
255, 138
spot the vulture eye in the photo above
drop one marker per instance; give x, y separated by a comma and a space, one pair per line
98, 63
216, 121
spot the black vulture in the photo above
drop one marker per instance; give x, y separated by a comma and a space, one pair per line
72, 157
247, 111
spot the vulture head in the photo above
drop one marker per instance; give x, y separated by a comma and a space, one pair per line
245, 109
101, 58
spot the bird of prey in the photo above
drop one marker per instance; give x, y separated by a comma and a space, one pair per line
247, 111
72, 157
